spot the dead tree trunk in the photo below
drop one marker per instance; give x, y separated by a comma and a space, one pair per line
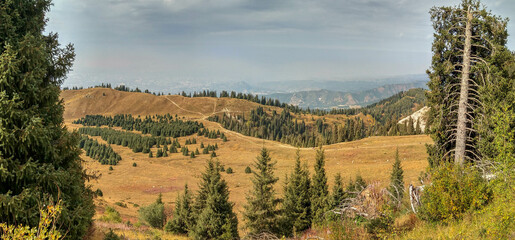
461, 135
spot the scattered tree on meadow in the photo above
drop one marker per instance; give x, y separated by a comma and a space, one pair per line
319, 191
153, 214
182, 220
261, 211
212, 211
338, 194
296, 206
397, 179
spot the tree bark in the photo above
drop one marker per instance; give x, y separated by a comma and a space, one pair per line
461, 134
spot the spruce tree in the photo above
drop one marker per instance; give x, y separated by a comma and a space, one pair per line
153, 214
467, 42
296, 206
39, 158
360, 183
213, 213
397, 179
338, 194
261, 211
182, 220
319, 190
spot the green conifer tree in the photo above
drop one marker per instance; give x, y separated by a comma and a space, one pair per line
213, 212
261, 212
338, 194
468, 52
397, 179
296, 207
39, 158
319, 190
182, 220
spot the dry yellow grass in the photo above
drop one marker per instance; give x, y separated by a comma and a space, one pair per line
371, 157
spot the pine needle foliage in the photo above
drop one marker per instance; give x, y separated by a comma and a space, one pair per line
261, 212
182, 220
213, 213
397, 179
319, 190
338, 194
296, 206
39, 158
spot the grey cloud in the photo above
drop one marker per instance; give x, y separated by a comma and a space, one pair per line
173, 40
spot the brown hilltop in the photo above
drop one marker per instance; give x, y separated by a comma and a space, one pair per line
106, 101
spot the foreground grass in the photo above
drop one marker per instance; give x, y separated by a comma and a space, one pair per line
100, 228
495, 221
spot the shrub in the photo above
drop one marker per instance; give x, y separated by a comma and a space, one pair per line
111, 235
248, 170
120, 204
99, 192
111, 215
134, 164
111, 168
379, 225
153, 214
47, 228
454, 190
229, 170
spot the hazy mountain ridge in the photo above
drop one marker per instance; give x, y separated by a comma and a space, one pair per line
326, 99
271, 87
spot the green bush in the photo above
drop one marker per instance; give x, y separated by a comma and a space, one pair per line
153, 214
111, 215
111, 235
454, 190
134, 164
99, 192
248, 170
379, 225
229, 170
120, 204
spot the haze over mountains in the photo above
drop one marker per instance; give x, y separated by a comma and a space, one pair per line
323, 94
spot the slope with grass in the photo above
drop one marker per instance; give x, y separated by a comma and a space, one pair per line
129, 186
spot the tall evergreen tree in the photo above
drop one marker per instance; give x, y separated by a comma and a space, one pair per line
214, 215
182, 220
39, 158
296, 206
397, 179
319, 190
466, 41
338, 194
261, 212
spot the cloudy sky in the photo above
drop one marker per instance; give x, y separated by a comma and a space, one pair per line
162, 42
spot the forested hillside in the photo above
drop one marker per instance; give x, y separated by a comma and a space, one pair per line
328, 99
293, 128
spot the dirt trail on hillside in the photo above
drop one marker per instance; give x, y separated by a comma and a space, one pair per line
203, 115
239, 135
258, 141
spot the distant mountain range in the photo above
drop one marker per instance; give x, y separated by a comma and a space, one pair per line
271, 87
327, 99
324, 94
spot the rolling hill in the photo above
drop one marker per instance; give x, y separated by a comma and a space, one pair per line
127, 187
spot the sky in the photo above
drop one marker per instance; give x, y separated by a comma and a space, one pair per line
149, 43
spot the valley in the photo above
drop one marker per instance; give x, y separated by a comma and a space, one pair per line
138, 186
